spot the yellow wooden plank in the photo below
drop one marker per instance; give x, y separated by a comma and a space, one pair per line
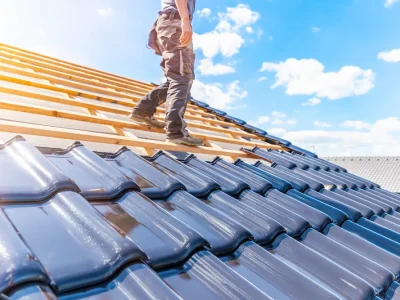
52, 70
119, 130
87, 95
55, 132
73, 66
81, 103
116, 125
70, 67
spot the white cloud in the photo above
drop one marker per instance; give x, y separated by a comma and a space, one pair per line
105, 12
207, 67
388, 125
315, 29
390, 56
356, 143
307, 77
276, 131
322, 124
261, 79
312, 102
390, 2
356, 125
278, 114
263, 119
204, 13
249, 29
276, 118
218, 95
240, 16
226, 39
214, 42
235, 107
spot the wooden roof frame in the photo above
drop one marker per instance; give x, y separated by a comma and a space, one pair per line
92, 91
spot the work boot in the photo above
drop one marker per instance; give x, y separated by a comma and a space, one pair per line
151, 121
187, 140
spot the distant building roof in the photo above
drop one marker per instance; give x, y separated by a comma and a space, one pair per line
383, 170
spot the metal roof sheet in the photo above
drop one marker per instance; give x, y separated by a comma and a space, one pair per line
384, 170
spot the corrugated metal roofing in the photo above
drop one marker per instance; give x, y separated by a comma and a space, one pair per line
112, 224
384, 170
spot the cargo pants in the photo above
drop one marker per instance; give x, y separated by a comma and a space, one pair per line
178, 66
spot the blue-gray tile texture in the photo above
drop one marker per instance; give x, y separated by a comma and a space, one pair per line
77, 224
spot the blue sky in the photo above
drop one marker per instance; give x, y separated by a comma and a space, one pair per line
331, 68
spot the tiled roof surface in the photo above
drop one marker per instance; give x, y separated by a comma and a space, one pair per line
264, 219
83, 225
384, 170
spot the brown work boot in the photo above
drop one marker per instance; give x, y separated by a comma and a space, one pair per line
151, 121
187, 140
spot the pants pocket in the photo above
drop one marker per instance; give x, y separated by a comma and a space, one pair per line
188, 58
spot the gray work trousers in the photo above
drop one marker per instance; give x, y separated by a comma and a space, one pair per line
178, 66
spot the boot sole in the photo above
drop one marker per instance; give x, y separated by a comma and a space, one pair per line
185, 143
144, 121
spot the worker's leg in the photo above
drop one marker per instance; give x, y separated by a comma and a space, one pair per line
147, 106
178, 62
178, 65
177, 97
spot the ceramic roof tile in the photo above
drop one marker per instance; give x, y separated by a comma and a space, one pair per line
78, 224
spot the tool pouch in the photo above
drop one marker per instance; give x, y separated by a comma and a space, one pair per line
152, 42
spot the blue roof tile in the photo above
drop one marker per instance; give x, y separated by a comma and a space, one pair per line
301, 257
206, 277
222, 233
27, 176
163, 238
377, 209
137, 281
313, 184
68, 227
294, 224
196, 183
234, 120
158, 227
276, 140
228, 182
271, 157
97, 179
253, 129
199, 103
262, 228
295, 182
256, 183
278, 183
280, 280
317, 219
377, 276
152, 182
302, 151
18, 265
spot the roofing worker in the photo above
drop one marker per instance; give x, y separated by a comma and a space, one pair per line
171, 37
